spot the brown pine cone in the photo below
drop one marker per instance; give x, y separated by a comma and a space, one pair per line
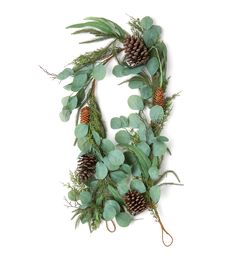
136, 53
86, 167
84, 115
158, 97
135, 202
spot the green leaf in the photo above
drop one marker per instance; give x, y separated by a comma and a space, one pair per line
136, 82
142, 132
99, 72
96, 137
124, 121
122, 187
73, 195
114, 204
135, 102
116, 123
118, 71
144, 147
65, 74
124, 219
78, 82
145, 92
126, 168
72, 103
65, 100
156, 113
81, 130
107, 145
116, 157
134, 120
152, 35
150, 136
65, 114
109, 212
152, 65
162, 138
68, 87
101, 170
159, 148
153, 172
84, 145
138, 186
109, 165
85, 197
155, 193
136, 171
123, 137
146, 23
118, 176
115, 194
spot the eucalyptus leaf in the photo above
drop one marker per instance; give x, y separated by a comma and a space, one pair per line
153, 172
65, 74
138, 185
122, 137
156, 113
146, 22
135, 102
65, 114
114, 204
124, 121
134, 120
146, 92
151, 35
107, 145
101, 170
118, 176
152, 65
96, 137
99, 72
159, 148
84, 145
78, 82
144, 147
155, 193
116, 123
81, 130
109, 212
85, 197
122, 187
116, 157
73, 195
109, 165
126, 168
124, 219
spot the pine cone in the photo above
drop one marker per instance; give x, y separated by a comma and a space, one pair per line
86, 167
159, 98
136, 52
84, 115
135, 202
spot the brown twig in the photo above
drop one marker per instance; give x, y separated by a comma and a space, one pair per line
52, 75
114, 227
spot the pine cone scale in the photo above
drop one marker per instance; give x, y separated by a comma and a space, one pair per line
135, 202
86, 167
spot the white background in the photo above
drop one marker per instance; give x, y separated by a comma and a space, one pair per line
36, 147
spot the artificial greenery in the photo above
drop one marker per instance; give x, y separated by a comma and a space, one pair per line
133, 164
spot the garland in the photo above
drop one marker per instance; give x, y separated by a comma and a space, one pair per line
116, 182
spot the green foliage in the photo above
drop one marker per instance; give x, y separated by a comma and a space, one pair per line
81, 130
123, 137
116, 123
73, 195
146, 23
138, 185
85, 197
152, 35
116, 157
155, 193
107, 145
144, 147
135, 102
153, 172
159, 148
124, 219
118, 176
101, 170
122, 187
153, 65
79, 82
146, 92
99, 72
120, 70
156, 113
65, 74
65, 114
109, 212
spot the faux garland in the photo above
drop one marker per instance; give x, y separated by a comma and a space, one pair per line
116, 182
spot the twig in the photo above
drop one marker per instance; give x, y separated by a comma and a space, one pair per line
52, 75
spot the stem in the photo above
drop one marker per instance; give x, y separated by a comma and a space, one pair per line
165, 173
163, 230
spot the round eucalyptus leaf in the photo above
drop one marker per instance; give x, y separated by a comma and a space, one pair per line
65, 100
109, 212
124, 219
73, 195
118, 71
138, 186
84, 145
146, 22
114, 204
85, 197
81, 130
153, 172
136, 83
118, 176
65, 114
155, 193
159, 148
122, 187
107, 145
116, 157
72, 103
134, 120
144, 147
146, 92
136, 170
124, 121
65, 74
96, 137
101, 170
109, 165
135, 102
99, 72
152, 65
126, 168
78, 82
152, 35
162, 138
123, 137
156, 113
116, 123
